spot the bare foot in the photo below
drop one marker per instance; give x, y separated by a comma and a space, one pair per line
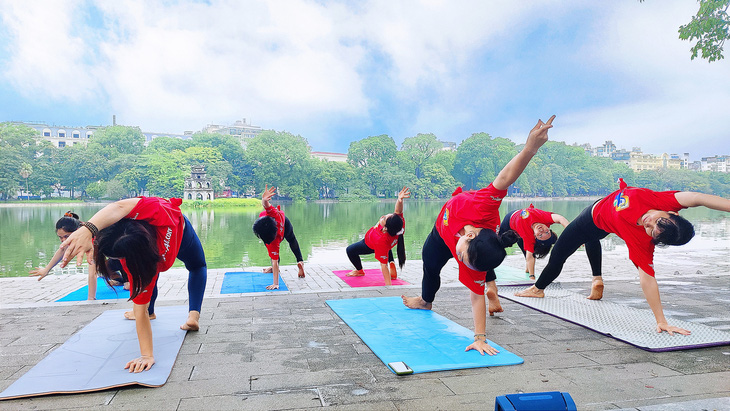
531, 292
493, 298
393, 271
130, 315
268, 270
193, 322
356, 273
301, 269
416, 303
596, 289
126, 286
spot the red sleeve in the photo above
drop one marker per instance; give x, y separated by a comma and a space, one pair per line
489, 199
145, 296
472, 279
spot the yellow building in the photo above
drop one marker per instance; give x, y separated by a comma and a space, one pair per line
641, 161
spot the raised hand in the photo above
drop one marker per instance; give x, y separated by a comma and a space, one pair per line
405, 192
539, 134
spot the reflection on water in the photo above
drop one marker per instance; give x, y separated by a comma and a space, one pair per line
28, 239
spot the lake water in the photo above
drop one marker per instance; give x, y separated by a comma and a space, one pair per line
28, 239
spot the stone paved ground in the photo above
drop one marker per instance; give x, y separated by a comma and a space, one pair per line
288, 350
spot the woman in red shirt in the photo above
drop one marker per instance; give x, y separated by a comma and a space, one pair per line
271, 227
642, 218
466, 230
533, 234
380, 240
145, 235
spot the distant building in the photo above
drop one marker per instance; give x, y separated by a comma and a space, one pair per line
243, 131
149, 136
61, 136
323, 155
640, 161
198, 186
715, 163
448, 145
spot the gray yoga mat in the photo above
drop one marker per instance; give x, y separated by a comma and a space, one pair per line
93, 359
634, 326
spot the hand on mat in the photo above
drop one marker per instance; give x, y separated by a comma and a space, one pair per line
482, 347
140, 364
39, 272
272, 287
671, 329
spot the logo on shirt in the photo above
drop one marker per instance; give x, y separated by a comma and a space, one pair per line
621, 201
446, 217
166, 242
480, 282
524, 214
382, 257
494, 198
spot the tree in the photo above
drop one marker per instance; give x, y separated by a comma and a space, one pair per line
417, 151
25, 171
710, 27
114, 140
96, 189
375, 149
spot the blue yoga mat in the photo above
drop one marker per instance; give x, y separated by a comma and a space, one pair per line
249, 282
423, 339
103, 292
93, 359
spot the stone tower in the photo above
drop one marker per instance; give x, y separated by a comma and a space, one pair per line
198, 185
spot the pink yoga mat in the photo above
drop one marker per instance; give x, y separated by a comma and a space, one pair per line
372, 278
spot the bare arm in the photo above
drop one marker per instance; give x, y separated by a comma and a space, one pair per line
403, 194
479, 311
386, 273
651, 292
557, 218
144, 335
80, 241
530, 261
275, 272
42, 272
92, 281
692, 199
512, 171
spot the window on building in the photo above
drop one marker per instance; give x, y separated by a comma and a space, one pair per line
46, 132
61, 144
76, 134
62, 133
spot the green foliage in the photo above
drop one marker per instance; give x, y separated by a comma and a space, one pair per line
710, 27
245, 204
376, 168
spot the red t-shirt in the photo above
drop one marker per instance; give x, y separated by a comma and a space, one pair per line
478, 208
169, 223
381, 241
619, 213
522, 221
278, 216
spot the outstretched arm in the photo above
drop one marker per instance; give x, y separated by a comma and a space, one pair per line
479, 311
692, 199
404, 193
530, 262
275, 272
651, 293
557, 218
144, 335
266, 197
537, 137
41, 272
80, 241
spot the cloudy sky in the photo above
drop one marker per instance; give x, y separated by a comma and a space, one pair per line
338, 71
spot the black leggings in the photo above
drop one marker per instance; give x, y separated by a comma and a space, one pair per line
580, 231
354, 251
292, 240
435, 255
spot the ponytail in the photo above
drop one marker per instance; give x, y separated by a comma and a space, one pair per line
508, 238
69, 222
401, 250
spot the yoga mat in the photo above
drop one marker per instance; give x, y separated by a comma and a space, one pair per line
633, 326
373, 278
94, 358
423, 339
103, 292
507, 275
249, 282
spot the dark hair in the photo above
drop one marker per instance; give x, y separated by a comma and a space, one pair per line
69, 222
542, 247
265, 229
675, 230
486, 252
508, 238
136, 242
393, 225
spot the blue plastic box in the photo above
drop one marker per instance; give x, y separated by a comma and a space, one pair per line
535, 401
